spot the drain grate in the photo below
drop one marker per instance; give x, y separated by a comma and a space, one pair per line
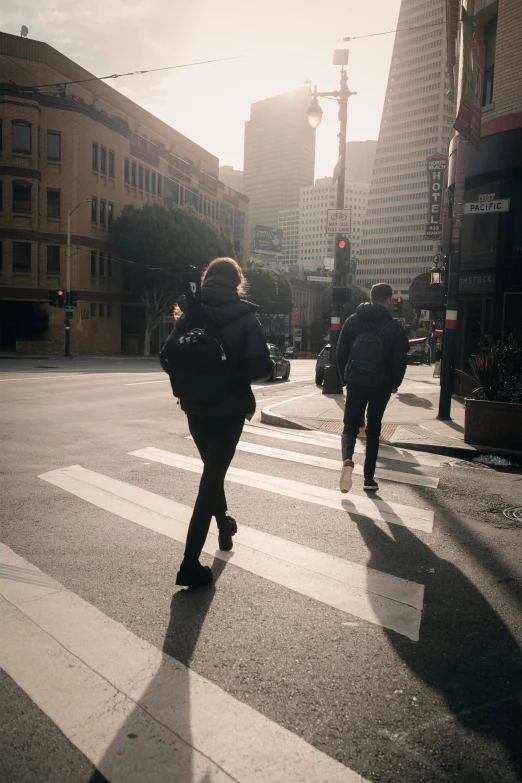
387, 432
514, 514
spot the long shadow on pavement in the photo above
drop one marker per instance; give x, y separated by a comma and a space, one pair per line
466, 655
132, 755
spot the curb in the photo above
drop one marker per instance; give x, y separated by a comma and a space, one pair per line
267, 417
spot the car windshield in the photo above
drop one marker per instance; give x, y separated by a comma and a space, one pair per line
325, 352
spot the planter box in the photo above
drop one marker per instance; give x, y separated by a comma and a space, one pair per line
497, 424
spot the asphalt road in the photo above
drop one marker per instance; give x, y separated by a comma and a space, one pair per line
375, 638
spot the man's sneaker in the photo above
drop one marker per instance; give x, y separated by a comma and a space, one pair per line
193, 574
227, 528
345, 482
370, 485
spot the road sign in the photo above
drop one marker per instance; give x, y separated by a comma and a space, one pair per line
339, 221
486, 207
69, 309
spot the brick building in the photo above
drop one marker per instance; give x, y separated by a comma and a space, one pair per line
490, 275
61, 146
307, 299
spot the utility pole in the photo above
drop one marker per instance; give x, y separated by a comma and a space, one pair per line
450, 331
68, 301
332, 381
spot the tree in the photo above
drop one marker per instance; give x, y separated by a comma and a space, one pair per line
357, 297
271, 291
155, 243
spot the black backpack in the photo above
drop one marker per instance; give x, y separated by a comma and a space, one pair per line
197, 365
367, 363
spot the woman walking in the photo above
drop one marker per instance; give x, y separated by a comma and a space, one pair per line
216, 426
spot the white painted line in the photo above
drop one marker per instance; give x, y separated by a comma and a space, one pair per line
349, 587
269, 384
142, 383
332, 464
135, 713
379, 510
329, 440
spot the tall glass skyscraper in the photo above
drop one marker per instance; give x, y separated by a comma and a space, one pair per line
416, 122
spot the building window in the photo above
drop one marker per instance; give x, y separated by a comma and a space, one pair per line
101, 310
53, 259
147, 180
54, 145
102, 212
93, 310
490, 40
133, 174
126, 167
111, 164
21, 136
93, 263
94, 210
159, 184
21, 256
110, 214
95, 149
109, 267
153, 183
22, 197
53, 203
102, 264
140, 177
103, 160
109, 311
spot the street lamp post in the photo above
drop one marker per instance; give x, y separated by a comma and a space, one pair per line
332, 381
68, 278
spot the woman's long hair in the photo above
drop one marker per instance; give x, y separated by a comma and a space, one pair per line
227, 272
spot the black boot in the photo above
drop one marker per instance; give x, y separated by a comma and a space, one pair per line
227, 527
193, 574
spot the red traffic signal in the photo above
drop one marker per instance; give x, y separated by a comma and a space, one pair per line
433, 326
59, 292
399, 300
341, 244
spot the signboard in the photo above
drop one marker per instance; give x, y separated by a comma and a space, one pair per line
486, 207
424, 296
318, 279
268, 240
436, 168
472, 59
295, 316
339, 221
475, 284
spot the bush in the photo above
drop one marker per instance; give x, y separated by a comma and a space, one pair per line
497, 369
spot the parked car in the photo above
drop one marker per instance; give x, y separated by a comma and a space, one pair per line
290, 352
419, 352
322, 361
280, 365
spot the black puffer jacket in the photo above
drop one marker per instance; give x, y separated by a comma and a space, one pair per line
396, 343
244, 344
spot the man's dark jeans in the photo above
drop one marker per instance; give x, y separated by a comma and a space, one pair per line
216, 439
358, 398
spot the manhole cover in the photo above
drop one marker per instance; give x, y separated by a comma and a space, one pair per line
514, 514
332, 426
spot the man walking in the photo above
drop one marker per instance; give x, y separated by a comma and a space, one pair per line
371, 357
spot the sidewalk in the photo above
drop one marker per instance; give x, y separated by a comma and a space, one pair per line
409, 421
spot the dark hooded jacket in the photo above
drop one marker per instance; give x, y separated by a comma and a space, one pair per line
244, 344
396, 344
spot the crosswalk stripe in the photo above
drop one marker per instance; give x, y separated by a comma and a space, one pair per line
414, 479
377, 509
134, 712
371, 595
331, 441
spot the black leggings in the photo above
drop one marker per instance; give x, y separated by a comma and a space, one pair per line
216, 439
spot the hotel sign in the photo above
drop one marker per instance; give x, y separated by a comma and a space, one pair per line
436, 168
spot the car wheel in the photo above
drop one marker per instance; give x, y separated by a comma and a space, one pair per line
318, 379
273, 374
287, 376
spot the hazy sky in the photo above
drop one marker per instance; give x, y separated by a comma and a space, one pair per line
280, 44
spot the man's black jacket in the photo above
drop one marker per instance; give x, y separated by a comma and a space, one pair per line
391, 332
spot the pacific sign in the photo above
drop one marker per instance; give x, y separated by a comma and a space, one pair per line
486, 207
436, 167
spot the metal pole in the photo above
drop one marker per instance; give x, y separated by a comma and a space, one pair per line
332, 383
68, 288
450, 331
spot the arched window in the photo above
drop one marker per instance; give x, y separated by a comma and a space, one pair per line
21, 136
22, 196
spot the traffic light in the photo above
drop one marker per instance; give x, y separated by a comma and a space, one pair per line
398, 305
56, 297
72, 298
342, 254
433, 328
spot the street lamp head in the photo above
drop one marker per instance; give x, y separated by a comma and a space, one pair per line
436, 275
314, 113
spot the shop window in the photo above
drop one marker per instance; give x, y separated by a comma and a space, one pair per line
95, 153
54, 145
21, 256
111, 164
22, 197
53, 203
21, 136
490, 41
53, 259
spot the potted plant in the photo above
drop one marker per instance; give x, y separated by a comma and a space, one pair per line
493, 415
